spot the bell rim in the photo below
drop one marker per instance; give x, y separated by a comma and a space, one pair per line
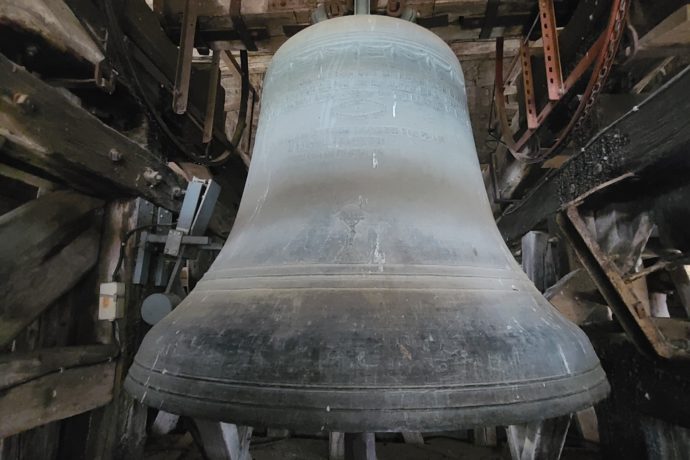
549, 399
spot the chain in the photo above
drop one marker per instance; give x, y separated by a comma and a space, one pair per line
611, 50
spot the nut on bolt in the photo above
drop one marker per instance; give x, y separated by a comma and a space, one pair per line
177, 192
23, 102
152, 177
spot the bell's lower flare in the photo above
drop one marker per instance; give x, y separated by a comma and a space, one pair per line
365, 286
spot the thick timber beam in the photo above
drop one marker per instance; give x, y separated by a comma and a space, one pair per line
44, 130
653, 132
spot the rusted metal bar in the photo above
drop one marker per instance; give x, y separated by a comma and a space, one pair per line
552, 58
499, 100
577, 73
183, 71
211, 98
528, 83
600, 54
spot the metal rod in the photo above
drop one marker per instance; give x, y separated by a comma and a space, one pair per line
362, 7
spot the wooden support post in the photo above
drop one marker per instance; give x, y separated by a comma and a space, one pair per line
336, 445
224, 441
211, 98
540, 440
117, 430
535, 259
184, 57
485, 436
360, 446
164, 423
588, 424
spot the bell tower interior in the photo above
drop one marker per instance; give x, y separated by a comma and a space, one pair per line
344, 229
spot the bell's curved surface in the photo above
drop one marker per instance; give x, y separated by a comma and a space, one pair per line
365, 286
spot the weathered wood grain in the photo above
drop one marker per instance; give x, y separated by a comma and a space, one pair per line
54, 397
46, 246
19, 368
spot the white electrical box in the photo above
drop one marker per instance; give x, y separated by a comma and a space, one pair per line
111, 301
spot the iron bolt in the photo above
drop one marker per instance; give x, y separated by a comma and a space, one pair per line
152, 177
115, 155
177, 192
24, 102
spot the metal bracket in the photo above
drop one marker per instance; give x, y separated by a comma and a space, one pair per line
599, 56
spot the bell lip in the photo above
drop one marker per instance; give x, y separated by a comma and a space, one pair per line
278, 407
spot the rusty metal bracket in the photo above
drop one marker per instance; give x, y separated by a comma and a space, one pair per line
239, 25
599, 57
183, 70
667, 338
528, 84
552, 57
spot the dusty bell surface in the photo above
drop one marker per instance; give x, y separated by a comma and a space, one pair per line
365, 286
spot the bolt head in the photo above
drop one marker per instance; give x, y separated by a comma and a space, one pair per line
115, 155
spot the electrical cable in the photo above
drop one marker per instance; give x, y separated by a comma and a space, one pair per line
124, 242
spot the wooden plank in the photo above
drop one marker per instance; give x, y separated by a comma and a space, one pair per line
55, 396
23, 302
672, 31
48, 242
18, 368
55, 22
647, 135
45, 130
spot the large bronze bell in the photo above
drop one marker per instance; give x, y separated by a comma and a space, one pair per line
365, 286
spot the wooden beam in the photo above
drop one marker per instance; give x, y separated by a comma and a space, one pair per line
55, 22
44, 129
224, 441
672, 31
18, 368
46, 246
55, 396
654, 131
